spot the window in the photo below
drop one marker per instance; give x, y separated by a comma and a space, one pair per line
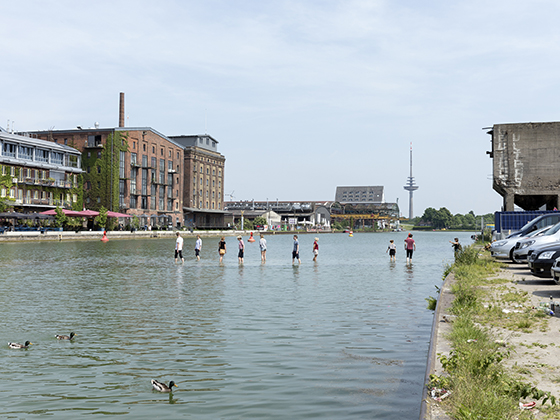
99, 169
144, 151
154, 150
57, 158
121, 167
162, 170
133, 158
9, 150
134, 145
25, 153
42, 155
161, 152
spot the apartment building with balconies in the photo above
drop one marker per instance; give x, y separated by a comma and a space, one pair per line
37, 175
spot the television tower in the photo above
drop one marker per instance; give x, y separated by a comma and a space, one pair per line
410, 187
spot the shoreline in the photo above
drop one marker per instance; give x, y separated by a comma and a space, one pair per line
534, 355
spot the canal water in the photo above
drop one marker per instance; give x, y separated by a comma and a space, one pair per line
343, 338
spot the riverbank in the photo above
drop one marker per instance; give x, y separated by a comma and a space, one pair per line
508, 312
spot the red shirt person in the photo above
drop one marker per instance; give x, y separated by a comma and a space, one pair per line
410, 247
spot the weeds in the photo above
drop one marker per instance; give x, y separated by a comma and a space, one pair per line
482, 388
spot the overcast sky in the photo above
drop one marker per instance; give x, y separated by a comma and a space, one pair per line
302, 96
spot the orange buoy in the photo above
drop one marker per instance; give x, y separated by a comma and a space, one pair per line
104, 239
251, 239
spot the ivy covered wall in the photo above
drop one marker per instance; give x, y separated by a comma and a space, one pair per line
101, 183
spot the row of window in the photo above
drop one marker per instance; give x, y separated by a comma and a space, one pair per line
34, 154
34, 196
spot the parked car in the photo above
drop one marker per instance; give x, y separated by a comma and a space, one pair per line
526, 246
541, 260
503, 249
555, 271
535, 224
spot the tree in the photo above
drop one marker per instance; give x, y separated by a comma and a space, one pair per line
101, 220
260, 221
60, 218
442, 218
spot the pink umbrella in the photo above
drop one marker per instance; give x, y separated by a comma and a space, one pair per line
115, 214
69, 213
87, 213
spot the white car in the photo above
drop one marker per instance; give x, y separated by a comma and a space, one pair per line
525, 247
503, 249
555, 271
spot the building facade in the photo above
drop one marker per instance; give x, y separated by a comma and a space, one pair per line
525, 165
203, 180
37, 175
134, 170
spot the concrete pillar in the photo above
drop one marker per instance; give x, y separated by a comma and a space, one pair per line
509, 202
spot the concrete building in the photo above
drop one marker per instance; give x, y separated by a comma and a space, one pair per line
203, 181
526, 167
38, 175
356, 194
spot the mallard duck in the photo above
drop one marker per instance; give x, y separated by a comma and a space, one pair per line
19, 346
161, 387
65, 337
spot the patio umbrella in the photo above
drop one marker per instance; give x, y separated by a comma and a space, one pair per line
115, 214
87, 213
69, 213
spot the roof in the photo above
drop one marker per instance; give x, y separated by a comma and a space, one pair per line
18, 138
123, 129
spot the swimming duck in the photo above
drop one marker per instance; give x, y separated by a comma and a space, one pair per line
161, 387
65, 337
19, 346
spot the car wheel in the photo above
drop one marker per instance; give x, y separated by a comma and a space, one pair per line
511, 256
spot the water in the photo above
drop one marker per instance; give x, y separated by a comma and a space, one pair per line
344, 338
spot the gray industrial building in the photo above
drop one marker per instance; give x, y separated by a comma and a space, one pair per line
356, 194
526, 164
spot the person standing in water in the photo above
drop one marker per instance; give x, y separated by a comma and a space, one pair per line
241, 253
179, 248
392, 250
295, 252
410, 247
315, 249
222, 248
197, 247
262, 246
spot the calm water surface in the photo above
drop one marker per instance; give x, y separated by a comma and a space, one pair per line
344, 338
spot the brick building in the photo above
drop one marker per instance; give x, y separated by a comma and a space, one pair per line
203, 191
138, 171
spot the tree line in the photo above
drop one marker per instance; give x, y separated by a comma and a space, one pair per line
444, 219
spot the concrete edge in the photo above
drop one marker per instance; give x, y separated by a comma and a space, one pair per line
443, 303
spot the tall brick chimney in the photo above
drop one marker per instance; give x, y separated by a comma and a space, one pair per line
121, 110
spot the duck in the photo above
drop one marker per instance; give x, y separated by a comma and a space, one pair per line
161, 387
65, 337
19, 346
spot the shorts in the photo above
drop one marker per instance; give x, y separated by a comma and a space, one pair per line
409, 253
222, 251
295, 255
315, 252
197, 252
241, 253
179, 253
392, 252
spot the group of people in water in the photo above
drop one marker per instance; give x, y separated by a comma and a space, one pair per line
409, 246
222, 249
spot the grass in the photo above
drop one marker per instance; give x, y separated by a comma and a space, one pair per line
482, 387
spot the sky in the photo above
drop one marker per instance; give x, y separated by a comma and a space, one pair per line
302, 96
